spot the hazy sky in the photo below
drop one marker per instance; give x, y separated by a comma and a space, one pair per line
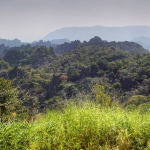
30, 20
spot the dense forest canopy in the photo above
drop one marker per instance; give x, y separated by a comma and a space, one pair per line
47, 76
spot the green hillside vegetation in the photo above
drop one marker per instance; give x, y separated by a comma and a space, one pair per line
3, 50
97, 95
11, 43
87, 126
96, 41
42, 74
29, 56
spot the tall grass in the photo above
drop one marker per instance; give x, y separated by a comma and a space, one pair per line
88, 126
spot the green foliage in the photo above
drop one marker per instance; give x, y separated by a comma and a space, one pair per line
101, 96
8, 96
117, 86
94, 68
122, 65
68, 90
72, 74
4, 64
87, 126
49, 81
102, 64
137, 100
115, 66
30, 56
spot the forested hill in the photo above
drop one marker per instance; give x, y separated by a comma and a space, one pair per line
3, 50
40, 55
6, 45
11, 43
47, 79
96, 41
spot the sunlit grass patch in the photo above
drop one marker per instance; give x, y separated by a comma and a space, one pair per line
88, 126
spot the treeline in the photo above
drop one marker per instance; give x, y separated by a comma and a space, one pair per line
47, 79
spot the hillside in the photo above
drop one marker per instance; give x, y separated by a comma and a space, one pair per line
96, 41
68, 98
48, 76
6, 45
138, 34
52, 43
74, 75
11, 43
3, 50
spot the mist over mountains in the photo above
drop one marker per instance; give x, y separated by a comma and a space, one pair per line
138, 34
11, 43
144, 41
129, 33
107, 33
18, 43
6, 45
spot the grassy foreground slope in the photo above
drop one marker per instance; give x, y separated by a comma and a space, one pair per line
87, 126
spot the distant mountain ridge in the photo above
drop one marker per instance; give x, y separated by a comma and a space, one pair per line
42, 55
59, 41
52, 43
144, 41
17, 42
6, 45
107, 33
11, 43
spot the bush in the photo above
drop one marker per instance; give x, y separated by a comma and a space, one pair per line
137, 100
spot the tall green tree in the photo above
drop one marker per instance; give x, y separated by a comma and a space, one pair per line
8, 94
